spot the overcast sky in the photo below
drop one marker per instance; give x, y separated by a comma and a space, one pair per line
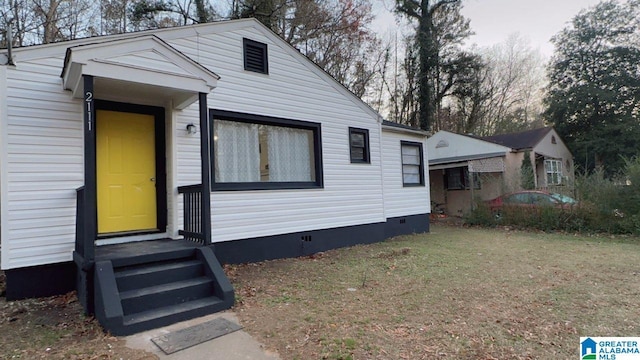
494, 20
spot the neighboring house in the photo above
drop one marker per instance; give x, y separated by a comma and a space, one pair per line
465, 168
133, 165
551, 158
462, 168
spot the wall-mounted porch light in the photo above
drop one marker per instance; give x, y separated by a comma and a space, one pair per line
191, 129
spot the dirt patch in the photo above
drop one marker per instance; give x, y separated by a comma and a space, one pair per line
457, 293
55, 328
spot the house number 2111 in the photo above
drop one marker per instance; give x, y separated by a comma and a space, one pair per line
88, 100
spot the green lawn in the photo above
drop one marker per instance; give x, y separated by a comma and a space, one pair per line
456, 293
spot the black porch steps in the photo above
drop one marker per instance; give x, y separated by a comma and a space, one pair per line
177, 292
198, 307
155, 274
134, 295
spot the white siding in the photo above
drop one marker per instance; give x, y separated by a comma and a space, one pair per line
398, 199
4, 255
352, 192
42, 147
42, 165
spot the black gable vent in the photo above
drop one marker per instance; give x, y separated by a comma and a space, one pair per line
255, 56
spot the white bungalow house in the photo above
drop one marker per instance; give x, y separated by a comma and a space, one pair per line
466, 168
133, 165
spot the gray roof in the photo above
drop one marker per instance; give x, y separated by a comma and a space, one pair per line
520, 140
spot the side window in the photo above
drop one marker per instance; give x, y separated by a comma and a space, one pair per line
359, 145
518, 199
412, 164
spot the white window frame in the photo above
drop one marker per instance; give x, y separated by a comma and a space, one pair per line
553, 171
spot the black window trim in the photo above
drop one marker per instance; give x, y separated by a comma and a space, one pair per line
366, 150
215, 114
265, 57
421, 151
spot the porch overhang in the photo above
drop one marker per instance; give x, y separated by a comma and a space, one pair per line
457, 161
140, 68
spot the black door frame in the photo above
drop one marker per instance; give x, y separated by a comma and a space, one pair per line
161, 164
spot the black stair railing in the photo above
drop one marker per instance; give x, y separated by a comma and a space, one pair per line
192, 214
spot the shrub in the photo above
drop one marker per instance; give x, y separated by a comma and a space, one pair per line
481, 215
606, 205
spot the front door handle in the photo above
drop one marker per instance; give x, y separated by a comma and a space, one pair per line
153, 179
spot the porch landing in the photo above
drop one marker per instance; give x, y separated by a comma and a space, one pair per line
137, 251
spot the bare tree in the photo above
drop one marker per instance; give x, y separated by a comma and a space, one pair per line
113, 16
333, 33
60, 20
18, 15
516, 83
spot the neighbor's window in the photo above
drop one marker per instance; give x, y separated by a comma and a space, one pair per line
412, 164
255, 152
359, 145
458, 179
553, 168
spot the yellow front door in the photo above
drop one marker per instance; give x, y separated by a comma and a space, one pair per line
126, 172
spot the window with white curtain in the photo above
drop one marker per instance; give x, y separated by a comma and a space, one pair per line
257, 152
290, 154
237, 151
412, 164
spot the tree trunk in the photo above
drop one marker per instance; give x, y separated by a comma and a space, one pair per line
425, 43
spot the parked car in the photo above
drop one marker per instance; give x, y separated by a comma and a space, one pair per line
530, 199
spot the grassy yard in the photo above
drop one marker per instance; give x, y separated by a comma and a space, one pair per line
55, 328
456, 293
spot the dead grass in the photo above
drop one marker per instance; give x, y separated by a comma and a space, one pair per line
55, 328
457, 293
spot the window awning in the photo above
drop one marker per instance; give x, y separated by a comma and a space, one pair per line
495, 164
142, 68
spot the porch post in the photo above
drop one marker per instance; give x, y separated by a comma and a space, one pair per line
205, 158
90, 202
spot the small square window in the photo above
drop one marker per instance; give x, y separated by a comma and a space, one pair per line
412, 164
359, 145
255, 56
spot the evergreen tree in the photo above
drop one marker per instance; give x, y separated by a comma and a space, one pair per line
527, 178
594, 90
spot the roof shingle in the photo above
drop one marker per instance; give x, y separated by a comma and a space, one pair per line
520, 140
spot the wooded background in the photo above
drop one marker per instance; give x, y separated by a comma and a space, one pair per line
423, 74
